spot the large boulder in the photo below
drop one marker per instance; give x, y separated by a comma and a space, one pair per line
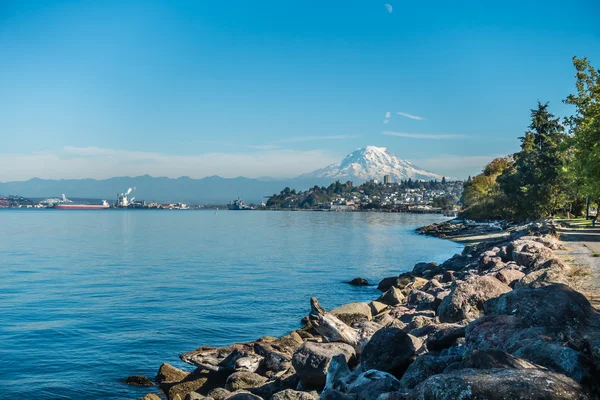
499, 384
466, 300
138, 380
443, 336
530, 254
457, 263
423, 367
501, 332
359, 282
168, 373
554, 307
353, 312
244, 396
558, 358
509, 276
418, 322
420, 300
243, 380
197, 381
420, 268
387, 283
554, 272
196, 396
311, 361
290, 394
491, 359
370, 384
392, 297
150, 396
219, 394
389, 350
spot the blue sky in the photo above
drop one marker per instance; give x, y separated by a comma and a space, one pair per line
264, 88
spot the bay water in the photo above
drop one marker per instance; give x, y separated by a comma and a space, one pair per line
90, 297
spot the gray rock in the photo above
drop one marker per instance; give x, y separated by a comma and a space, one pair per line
389, 350
370, 384
244, 380
555, 307
499, 384
196, 396
558, 358
311, 361
443, 336
387, 283
420, 300
509, 276
359, 282
489, 359
543, 277
353, 312
137, 380
425, 366
332, 394
420, 321
290, 394
219, 394
245, 396
466, 300
393, 296
448, 276
432, 286
150, 396
168, 373
501, 332
529, 254
420, 268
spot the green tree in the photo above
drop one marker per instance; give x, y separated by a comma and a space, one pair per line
536, 184
482, 197
584, 125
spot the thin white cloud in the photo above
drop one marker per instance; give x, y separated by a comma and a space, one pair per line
407, 115
385, 121
389, 8
101, 163
388, 115
316, 138
425, 136
264, 146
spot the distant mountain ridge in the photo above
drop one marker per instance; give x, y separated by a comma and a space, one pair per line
371, 163
359, 166
208, 190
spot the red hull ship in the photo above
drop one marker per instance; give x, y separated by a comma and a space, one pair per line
68, 205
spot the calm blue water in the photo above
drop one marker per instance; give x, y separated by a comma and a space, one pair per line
90, 297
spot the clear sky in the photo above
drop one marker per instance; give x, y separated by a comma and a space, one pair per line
277, 88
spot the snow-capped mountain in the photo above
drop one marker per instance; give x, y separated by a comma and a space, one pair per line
371, 163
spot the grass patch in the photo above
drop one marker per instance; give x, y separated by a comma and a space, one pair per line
594, 254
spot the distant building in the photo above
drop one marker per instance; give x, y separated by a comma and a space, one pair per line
387, 179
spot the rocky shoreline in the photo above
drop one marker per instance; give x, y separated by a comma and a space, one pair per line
498, 321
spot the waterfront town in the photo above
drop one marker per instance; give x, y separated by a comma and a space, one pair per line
404, 196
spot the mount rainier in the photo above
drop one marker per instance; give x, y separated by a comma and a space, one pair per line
371, 163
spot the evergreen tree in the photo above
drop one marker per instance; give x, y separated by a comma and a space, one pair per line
535, 185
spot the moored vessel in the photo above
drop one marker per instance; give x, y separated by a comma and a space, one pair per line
71, 206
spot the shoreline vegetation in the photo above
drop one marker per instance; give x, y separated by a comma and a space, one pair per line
501, 320
555, 172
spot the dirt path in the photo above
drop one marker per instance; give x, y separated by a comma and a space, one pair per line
581, 249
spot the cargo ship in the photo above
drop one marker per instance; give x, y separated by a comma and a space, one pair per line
71, 206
